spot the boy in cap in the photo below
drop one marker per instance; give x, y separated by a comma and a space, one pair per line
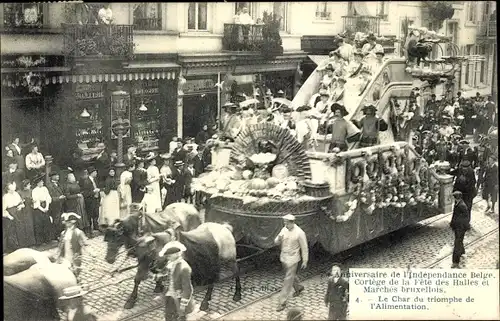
179, 295
293, 242
71, 243
337, 294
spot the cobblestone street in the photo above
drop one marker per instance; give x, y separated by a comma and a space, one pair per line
417, 246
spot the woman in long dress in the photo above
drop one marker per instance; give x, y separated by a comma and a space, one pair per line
12, 204
110, 200
27, 236
75, 203
154, 183
125, 190
44, 226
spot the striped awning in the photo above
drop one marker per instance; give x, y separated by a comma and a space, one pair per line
9, 80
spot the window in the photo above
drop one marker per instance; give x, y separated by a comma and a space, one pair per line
323, 11
241, 5
486, 11
197, 16
383, 10
147, 16
23, 15
280, 10
468, 50
471, 11
481, 65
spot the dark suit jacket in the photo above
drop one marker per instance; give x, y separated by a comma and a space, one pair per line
87, 188
179, 154
139, 181
198, 165
188, 179
336, 293
461, 216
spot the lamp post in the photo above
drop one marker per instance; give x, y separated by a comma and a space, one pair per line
120, 101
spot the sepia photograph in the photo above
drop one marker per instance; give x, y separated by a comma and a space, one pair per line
249, 160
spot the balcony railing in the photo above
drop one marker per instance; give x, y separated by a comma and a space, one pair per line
147, 23
366, 24
242, 37
487, 28
98, 40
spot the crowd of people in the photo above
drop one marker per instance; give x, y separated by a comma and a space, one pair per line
33, 210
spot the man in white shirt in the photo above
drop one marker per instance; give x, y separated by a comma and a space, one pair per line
244, 17
293, 242
345, 50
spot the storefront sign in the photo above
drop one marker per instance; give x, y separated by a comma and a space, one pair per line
89, 91
146, 87
199, 85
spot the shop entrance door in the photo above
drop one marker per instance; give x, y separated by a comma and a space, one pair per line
25, 119
198, 110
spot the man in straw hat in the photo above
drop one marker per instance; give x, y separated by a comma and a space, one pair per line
72, 299
336, 297
460, 223
293, 242
71, 243
179, 295
342, 130
232, 126
370, 126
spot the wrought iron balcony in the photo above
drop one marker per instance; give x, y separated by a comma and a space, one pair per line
239, 37
147, 23
366, 24
98, 40
487, 28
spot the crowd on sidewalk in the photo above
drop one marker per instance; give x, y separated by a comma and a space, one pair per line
33, 209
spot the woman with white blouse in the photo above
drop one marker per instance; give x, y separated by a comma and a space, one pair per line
44, 229
154, 182
34, 162
125, 190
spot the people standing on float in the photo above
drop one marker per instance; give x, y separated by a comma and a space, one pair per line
322, 108
342, 131
338, 92
345, 50
370, 49
304, 127
232, 125
370, 126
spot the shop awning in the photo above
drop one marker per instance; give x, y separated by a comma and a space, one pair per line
144, 65
14, 80
317, 59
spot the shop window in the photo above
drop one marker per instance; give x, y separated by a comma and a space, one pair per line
89, 124
323, 11
383, 10
23, 15
198, 16
280, 10
471, 11
146, 109
147, 16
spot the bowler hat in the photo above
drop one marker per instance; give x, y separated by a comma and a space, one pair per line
72, 292
171, 248
289, 217
38, 178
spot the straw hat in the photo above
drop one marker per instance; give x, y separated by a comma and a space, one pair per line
171, 248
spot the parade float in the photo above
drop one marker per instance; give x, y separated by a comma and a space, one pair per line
340, 199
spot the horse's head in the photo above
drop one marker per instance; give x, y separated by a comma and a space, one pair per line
114, 236
148, 247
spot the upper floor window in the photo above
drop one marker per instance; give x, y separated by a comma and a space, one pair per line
323, 11
280, 10
472, 11
147, 16
197, 16
27, 15
383, 10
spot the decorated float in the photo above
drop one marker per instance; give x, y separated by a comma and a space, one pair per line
340, 200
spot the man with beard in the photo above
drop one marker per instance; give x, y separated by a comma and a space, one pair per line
56, 192
370, 126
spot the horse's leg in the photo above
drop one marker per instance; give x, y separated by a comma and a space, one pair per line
133, 296
237, 292
208, 297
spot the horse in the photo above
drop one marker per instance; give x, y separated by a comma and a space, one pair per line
208, 245
32, 294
